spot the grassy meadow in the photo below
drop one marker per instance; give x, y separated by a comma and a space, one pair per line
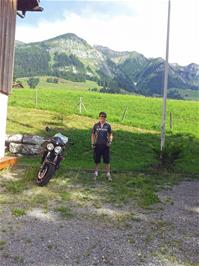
143, 112
133, 137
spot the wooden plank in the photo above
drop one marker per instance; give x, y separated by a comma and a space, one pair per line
7, 43
7, 162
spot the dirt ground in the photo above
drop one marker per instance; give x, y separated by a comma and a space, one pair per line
166, 234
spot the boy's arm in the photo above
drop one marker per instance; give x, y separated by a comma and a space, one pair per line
93, 138
110, 134
110, 137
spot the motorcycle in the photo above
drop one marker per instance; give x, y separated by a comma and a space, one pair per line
52, 157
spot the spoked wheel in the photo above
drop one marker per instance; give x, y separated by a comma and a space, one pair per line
45, 174
42, 172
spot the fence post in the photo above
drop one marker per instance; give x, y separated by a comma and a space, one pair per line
124, 113
81, 105
36, 98
171, 121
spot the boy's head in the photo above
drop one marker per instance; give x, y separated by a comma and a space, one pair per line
102, 116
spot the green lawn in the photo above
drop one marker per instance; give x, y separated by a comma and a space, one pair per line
131, 148
62, 84
77, 189
142, 112
133, 138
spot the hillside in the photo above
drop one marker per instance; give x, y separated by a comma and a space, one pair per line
143, 112
70, 57
148, 214
133, 137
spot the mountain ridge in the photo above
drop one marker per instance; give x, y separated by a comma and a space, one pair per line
71, 57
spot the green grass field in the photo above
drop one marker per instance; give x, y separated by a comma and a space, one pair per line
142, 112
133, 138
62, 84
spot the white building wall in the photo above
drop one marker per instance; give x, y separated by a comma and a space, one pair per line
3, 118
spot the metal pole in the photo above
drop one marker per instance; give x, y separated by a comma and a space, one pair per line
163, 130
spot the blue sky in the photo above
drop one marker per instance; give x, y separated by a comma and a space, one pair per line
137, 25
57, 9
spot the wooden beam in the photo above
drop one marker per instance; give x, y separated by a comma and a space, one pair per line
7, 43
7, 162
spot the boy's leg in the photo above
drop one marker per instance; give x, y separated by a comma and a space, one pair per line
96, 157
107, 167
106, 159
96, 169
108, 173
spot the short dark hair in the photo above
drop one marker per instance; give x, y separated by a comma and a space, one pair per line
102, 113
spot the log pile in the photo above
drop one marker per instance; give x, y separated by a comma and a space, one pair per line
24, 144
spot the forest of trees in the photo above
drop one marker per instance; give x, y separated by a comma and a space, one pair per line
31, 61
35, 60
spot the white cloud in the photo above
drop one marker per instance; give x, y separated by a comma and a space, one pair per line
144, 31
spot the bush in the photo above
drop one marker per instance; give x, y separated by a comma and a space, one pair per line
168, 156
33, 82
109, 90
93, 89
52, 80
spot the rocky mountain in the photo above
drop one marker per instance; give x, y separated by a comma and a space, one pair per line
148, 73
71, 57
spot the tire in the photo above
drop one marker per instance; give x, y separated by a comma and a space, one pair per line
45, 174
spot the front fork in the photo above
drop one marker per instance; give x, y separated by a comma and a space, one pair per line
46, 159
56, 161
44, 156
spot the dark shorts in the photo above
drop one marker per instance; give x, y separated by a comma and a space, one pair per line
101, 151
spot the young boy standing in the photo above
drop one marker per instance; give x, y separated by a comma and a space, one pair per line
101, 140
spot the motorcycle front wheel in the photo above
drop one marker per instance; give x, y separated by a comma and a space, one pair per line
45, 174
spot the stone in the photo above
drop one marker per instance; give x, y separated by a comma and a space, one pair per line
31, 149
25, 149
33, 140
15, 148
17, 138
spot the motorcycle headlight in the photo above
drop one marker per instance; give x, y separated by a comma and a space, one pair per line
58, 149
50, 146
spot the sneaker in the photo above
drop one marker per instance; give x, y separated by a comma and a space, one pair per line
108, 175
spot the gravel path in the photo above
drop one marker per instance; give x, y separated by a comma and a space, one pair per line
166, 235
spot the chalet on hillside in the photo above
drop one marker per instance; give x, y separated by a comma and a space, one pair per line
17, 85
